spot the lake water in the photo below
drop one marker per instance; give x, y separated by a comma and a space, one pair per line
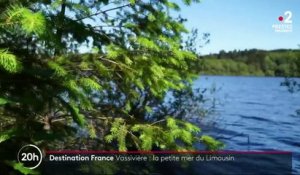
254, 113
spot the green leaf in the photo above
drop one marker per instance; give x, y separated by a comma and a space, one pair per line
7, 134
19, 167
55, 4
171, 123
132, 2
128, 61
4, 137
59, 70
75, 113
8, 61
192, 128
95, 50
148, 109
33, 22
89, 84
127, 107
77, 117
173, 5
15, 12
151, 17
211, 143
109, 138
92, 131
129, 25
3, 101
147, 43
118, 132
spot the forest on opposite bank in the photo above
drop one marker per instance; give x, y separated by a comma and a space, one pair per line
254, 62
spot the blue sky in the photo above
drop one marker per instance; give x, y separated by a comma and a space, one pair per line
243, 24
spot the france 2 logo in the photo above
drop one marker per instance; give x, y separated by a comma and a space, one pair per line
285, 23
287, 18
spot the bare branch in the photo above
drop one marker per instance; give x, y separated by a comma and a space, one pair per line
118, 64
159, 121
104, 11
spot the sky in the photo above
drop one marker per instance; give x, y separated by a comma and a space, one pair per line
244, 24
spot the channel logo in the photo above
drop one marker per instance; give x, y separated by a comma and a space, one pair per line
285, 24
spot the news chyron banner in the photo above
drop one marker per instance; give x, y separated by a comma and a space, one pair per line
154, 162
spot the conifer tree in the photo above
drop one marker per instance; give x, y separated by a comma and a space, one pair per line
101, 68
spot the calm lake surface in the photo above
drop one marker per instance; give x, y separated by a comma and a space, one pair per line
254, 113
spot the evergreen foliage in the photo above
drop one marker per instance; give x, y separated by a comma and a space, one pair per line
8, 61
115, 91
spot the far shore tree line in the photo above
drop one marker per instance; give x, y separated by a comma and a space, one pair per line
253, 62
